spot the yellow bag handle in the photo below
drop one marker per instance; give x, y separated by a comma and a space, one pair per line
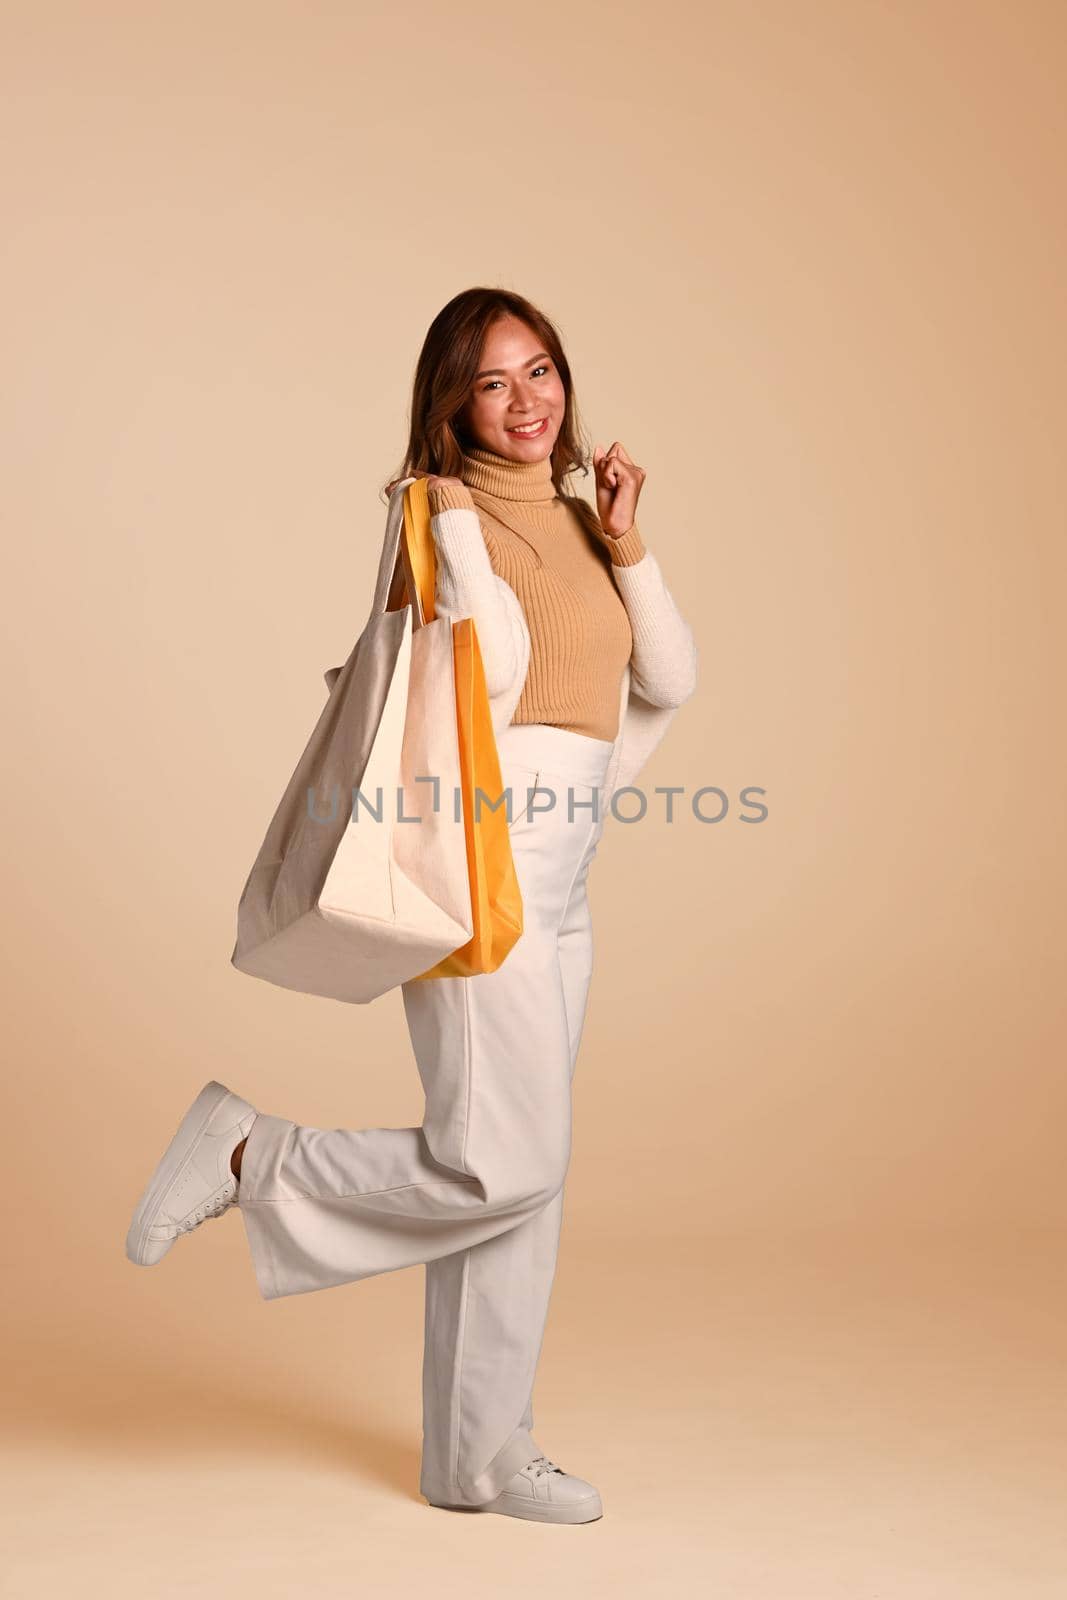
496, 901
418, 552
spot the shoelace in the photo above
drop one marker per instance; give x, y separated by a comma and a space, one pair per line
214, 1209
542, 1464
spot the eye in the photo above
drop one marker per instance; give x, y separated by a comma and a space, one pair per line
541, 367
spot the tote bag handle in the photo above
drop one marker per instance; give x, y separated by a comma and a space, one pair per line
391, 559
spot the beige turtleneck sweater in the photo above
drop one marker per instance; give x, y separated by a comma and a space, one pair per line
552, 551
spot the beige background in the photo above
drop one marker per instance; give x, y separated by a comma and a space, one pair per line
807, 259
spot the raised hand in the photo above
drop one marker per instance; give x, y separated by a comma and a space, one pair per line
618, 485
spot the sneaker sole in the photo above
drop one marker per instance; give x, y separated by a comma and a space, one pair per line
589, 1510
172, 1163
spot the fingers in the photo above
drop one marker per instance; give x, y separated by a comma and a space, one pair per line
605, 464
419, 472
617, 458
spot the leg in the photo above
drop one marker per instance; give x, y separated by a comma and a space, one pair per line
576, 970
330, 1206
322, 1207
486, 1305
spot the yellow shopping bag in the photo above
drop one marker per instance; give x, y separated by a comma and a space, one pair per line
496, 903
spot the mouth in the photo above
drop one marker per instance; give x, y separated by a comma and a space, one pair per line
529, 430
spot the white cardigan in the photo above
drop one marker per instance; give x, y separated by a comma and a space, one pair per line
660, 674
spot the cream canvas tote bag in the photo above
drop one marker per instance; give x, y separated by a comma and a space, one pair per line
339, 903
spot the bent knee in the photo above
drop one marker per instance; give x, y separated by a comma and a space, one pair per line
527, 1183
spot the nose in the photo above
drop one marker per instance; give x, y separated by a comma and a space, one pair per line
523, 400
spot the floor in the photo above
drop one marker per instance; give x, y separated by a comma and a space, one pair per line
816, 1417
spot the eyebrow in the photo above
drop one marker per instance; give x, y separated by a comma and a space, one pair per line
499, 372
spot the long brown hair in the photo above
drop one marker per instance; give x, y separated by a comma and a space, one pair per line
444, 377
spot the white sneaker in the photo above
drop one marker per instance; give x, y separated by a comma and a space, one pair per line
542, 1492
193, 1180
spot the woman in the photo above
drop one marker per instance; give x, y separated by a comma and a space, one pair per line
582, 646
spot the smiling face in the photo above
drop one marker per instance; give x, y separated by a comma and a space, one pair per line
517, 384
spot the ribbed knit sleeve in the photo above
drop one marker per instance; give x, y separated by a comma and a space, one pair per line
449, 497
627, 549
467, 586
663, 664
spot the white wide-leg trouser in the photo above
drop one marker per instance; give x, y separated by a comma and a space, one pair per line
476, 1192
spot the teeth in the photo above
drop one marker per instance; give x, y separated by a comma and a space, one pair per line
532, 428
